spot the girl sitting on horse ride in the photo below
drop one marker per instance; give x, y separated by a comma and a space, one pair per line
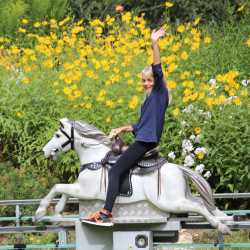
147, 130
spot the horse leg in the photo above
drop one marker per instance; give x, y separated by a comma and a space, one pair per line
66, 189
185, 205
61, 205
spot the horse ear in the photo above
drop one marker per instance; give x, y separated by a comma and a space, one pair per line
63, 121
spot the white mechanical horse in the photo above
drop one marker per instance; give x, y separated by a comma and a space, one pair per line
92, 145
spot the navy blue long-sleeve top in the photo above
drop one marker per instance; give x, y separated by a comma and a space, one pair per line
150, 125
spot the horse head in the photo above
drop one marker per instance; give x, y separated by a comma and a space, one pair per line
62, 141
72, 135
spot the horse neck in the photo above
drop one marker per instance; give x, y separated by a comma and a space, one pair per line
94, 153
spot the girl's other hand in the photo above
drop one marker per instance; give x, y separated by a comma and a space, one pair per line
114, 132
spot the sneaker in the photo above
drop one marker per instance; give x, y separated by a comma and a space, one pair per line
100, 218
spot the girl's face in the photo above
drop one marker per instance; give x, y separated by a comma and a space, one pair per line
148, 82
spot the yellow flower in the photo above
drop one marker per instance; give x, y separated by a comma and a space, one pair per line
184, 55
109, 20
168, 4
248, 42
88, 105
37, 24
109, 103
237, 101
98, 30
139, 88
210, 101
126, 74
108, 119
172, 67
171, 84
200, 155
181, 28
133, 102
197, 130
21, 30
196, 21
195, 46
53, 24
126, 17
77, 29
207, 39
244, 92
176, 47
24, 21
176, 112
130, 81
26, 80
241, 8
120, 101
185, 75
48, 63
19, 114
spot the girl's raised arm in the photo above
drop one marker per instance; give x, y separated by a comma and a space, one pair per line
156, 34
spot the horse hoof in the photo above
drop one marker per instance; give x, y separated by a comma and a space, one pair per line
224, 229
40, 213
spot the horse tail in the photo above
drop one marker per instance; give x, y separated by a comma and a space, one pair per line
202, 186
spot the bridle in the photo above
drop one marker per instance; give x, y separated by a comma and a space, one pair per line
70, 138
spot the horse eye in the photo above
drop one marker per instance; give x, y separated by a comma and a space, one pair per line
57, 135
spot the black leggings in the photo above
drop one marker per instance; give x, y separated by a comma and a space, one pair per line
128, 159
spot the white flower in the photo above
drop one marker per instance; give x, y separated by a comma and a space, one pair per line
208, 114
212, 82
183, 123
200, 168
244, 82
197, 138
192, 137
187, 145
207, 174
188, 109
201, 150
172, 155
188, 161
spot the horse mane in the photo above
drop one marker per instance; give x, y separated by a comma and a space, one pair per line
90, 131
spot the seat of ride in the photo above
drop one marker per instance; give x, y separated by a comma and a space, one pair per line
149, 162
118, 147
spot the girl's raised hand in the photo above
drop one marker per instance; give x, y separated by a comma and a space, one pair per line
156, 34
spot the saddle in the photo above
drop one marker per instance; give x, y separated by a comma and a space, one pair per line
150, 162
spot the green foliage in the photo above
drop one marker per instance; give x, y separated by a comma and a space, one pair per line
59, 8
211, 11
18, 183
155, 12
92, 9
228, 138
10, 13
40, 10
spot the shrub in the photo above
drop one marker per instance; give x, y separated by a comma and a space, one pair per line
10, 13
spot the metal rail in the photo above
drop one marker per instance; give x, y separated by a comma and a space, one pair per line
203, 245
189, 222
75, 200
37, 246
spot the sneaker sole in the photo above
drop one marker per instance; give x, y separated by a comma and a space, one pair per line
101, 224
